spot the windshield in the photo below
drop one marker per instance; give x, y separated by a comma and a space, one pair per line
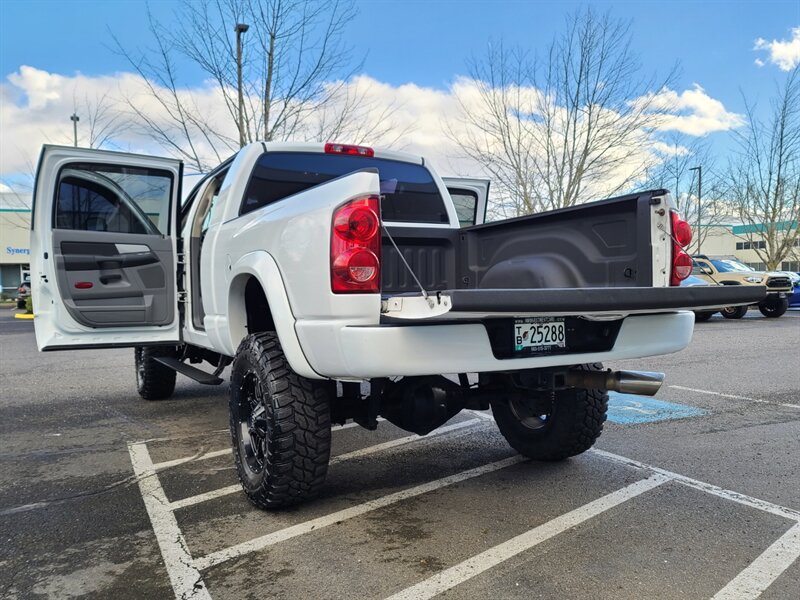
727, 266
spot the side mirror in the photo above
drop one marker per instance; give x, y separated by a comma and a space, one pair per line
706, 271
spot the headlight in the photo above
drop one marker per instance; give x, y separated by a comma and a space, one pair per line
753, 279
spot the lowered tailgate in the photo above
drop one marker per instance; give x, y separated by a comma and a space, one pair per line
589, 302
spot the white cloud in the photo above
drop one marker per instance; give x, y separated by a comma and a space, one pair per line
692, 112
785, 54
35, 107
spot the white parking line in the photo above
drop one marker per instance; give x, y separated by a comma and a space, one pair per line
232, 489
186, 459
733, 396
185, 572
775, 509
764, 570
449, 578
184, 576
271, 539
757, 503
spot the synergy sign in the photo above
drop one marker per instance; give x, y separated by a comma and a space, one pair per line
14, 251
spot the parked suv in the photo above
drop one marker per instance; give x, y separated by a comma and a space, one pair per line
729, 271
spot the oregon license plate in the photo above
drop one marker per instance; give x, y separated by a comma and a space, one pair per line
539, 334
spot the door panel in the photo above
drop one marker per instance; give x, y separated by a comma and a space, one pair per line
103, 249
105, 284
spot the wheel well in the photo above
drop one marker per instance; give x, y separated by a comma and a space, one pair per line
259, 316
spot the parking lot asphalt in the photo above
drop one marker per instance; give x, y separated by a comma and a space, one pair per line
103, 494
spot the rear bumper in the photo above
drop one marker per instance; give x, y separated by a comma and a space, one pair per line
339, 351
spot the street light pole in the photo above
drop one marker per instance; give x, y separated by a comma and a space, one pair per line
699, 170
75, 118
240, 28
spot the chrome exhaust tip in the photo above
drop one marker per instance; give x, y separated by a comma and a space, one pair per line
643, 383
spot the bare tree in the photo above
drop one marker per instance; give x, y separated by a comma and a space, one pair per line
101, 122
764, 175
296, 72
704, 209
557, 130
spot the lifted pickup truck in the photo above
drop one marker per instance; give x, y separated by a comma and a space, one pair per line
343, 282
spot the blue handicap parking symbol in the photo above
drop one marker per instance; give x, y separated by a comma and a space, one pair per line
629, 408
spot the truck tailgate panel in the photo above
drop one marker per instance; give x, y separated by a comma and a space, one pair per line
596, 300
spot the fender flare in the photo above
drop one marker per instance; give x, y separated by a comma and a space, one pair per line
233, 330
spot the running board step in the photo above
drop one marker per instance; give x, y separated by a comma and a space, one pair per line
188, 370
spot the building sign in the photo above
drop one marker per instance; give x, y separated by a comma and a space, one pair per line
15, 238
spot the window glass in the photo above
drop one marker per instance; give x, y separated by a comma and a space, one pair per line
408, 191
466, 203
728, 266
109, 198
207, 219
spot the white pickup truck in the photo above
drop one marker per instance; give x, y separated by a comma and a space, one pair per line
342, 282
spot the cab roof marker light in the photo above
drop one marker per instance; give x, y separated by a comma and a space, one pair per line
350, 149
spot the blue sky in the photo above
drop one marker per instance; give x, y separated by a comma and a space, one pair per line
425, 43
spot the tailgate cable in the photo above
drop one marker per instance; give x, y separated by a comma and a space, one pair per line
425, 295
677, 243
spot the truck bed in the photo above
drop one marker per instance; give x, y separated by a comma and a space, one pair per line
597, 245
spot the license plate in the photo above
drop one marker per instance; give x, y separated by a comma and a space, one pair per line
539, 334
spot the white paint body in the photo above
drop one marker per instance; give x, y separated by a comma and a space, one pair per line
285, 246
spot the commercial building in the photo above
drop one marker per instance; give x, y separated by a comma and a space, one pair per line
15, 231
742, 243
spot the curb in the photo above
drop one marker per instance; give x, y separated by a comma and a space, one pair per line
23, 316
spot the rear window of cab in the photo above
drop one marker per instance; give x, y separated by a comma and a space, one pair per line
408, 191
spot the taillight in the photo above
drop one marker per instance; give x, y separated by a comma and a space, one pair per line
356, 247
681, 237
348, 149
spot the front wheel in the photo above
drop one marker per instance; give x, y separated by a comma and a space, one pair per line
734, 312
553, 426
154, 381
774, 308
280, 425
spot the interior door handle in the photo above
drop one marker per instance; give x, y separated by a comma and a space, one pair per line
106, 279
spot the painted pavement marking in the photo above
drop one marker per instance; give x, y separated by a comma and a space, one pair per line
232, 489
271, 539
734, 397
183, 574
627, 409
764, 570
449, 578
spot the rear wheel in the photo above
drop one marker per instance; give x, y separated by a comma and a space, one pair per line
703, 316
280, 425
553, 426
734, 312
773, 308
154, 381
